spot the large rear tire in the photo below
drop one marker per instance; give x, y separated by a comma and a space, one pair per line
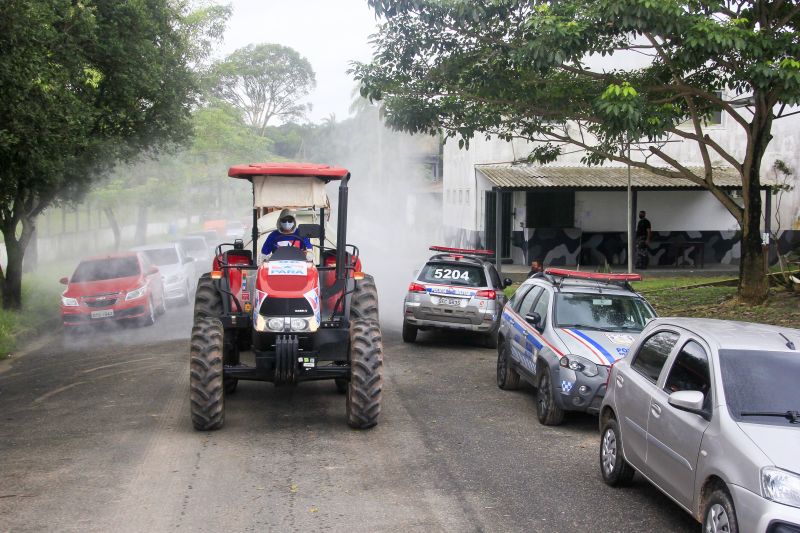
366, 374
364, 302
205, 375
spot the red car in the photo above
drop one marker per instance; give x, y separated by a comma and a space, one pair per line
119, 287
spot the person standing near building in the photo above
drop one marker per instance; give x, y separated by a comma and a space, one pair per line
643, 234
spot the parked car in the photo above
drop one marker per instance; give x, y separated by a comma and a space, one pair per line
119, 287
456, 289
561, 332
709, 412
198, 249
177, 270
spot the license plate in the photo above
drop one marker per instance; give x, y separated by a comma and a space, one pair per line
450, 301
103, 314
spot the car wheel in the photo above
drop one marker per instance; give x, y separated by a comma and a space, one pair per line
188, 298
409, 332
150, 313
490, 339
719, 515
615, 469
507, 377
162, 308
548, 412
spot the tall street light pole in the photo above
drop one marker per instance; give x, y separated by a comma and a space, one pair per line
629, 213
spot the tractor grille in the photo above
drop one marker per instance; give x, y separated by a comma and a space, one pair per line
286, 307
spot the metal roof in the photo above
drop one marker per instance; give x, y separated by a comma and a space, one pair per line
530, 177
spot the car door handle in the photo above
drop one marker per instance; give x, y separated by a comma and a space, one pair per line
620, 381
655, 409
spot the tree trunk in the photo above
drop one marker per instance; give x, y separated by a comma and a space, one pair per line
141, 225
112, 219
15, 249
753, 284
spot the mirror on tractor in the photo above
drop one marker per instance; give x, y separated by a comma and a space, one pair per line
507, 282
64, 281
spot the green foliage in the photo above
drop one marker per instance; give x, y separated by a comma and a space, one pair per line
515, 67
40, 296
264, 82
84, 84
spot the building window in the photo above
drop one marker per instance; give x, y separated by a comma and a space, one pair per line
550, 209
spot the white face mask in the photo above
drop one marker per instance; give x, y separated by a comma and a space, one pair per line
287, 226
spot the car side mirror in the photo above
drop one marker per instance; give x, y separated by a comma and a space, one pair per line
152, 270
688, 400
507, 282
64, 281
534, 319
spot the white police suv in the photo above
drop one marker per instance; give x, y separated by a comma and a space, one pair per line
562, 330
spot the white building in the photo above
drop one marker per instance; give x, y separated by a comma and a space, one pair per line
567, 214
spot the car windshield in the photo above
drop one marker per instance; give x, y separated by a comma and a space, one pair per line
761, 384
453, 274
162, 256
102, 269
607, 312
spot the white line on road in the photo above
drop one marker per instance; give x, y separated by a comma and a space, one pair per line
116, 364
47, 395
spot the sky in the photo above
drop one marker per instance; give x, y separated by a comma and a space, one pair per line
329, 33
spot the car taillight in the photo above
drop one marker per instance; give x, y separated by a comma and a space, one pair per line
488, 294
416, 287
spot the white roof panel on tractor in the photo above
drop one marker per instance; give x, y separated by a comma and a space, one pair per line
290, 192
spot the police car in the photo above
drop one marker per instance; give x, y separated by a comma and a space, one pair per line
456, 289
561, 332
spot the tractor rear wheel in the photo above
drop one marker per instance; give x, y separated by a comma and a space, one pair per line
366, 373
206, 383
364, 302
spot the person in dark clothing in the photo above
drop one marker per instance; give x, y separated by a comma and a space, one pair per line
536, 268
643, 234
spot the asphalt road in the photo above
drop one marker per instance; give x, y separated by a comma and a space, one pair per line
96, 436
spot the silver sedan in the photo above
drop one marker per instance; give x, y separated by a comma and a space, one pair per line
709, 412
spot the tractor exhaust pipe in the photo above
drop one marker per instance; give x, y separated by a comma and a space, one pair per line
341, 230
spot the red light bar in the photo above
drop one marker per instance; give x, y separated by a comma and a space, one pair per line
594, 276
464, 251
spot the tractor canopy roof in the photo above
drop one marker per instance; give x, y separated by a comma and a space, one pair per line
289, 185
323, 172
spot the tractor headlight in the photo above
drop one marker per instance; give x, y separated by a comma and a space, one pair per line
136, 293
275, 324
299, 324
69, 302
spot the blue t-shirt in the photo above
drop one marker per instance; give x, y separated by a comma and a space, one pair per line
276, 238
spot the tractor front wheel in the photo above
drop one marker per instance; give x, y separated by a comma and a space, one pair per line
364, 302
366, 374
207, 299
206, 383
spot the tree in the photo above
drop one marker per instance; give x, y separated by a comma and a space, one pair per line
265, 82
532, 70
84, 84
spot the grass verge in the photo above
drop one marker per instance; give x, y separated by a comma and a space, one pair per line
39, 308
676, 297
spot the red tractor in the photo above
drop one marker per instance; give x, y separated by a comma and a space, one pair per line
296, 316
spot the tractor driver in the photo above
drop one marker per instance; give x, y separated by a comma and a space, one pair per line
285, 235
